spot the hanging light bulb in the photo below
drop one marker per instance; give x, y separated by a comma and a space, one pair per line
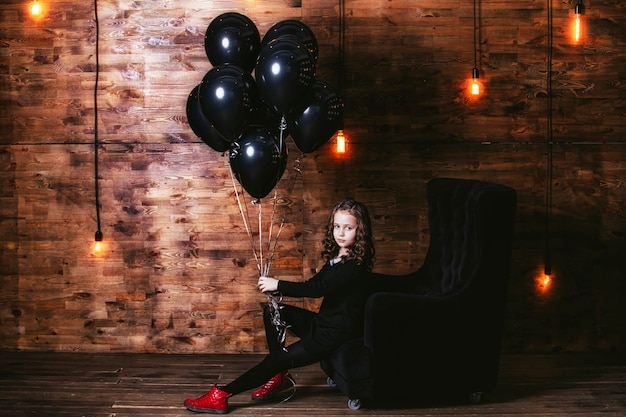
341, 142
98, 236
475, 89
475, 86
35, 8
578, 29
340, 149
544, 281
98, 239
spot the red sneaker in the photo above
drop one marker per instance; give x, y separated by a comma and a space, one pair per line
277, 384
214, 402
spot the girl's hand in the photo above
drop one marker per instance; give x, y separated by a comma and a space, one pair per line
268, 284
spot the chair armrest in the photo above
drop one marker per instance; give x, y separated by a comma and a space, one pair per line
414, 282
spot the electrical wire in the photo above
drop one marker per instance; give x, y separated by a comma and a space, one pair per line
342, 15
342, 40
550, 143
95, 124
475, 43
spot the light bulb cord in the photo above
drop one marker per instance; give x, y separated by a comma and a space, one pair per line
95, 115
475, 42
550, 141
342, 40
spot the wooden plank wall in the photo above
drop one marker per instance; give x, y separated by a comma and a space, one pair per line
177, 271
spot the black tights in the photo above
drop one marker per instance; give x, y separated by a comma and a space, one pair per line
278, 359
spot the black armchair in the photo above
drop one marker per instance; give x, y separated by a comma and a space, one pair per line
435, 334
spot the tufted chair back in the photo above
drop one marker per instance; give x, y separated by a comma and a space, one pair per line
465, 225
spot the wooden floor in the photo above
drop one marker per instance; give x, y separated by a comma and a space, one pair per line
86, 385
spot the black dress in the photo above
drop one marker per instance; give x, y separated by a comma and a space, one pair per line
340, 318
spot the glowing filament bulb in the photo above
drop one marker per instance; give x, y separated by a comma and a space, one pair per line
341, 142
99, 244
475, 88
35, 8
577, 28
475, 84
544, 280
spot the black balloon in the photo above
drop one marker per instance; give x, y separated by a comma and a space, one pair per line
232, 38
257, 161
284, 72
227, 96
317, 119
201, 125
262, 115
293, 29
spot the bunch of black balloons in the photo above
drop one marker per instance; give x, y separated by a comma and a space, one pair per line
250, 117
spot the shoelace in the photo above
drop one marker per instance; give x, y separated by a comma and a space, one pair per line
293, 392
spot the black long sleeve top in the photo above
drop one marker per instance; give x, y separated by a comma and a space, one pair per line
340, 317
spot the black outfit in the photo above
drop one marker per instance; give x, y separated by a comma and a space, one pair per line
340, 318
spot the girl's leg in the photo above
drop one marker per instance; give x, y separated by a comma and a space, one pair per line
275, 362
278, 360
298, 319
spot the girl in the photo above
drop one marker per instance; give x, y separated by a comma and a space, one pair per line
349, 256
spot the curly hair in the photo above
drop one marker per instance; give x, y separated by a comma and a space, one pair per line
363, 247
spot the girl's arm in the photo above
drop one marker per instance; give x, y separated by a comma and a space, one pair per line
342, 277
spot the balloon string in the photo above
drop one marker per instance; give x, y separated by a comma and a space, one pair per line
274, 305
273, 250
297, 166
282, 127
243, 216
270, 233
261, 269
279, 324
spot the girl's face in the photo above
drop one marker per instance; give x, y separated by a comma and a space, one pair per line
344, 230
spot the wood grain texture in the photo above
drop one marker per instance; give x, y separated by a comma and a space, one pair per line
177, 272
68, 384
